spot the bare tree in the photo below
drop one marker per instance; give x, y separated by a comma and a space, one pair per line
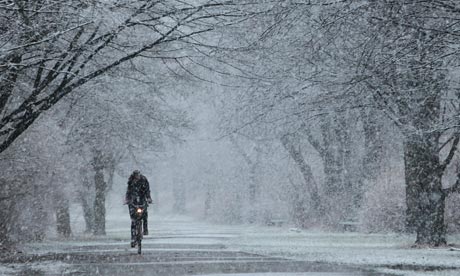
88, 45
399, 54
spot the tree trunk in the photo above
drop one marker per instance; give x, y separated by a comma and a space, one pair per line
5, 216
352, 184
310, 186
207, 204
424, 195
236, 209
86, 199
7, 213
179, 198
99, 203
334, 187
63, 219
373, 144
111, 166
88, 215
209, 199
253, 186
40, 217
299, 203
100, 189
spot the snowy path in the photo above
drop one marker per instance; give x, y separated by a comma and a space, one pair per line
176, 247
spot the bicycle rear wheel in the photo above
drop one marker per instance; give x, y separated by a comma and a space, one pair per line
139, 236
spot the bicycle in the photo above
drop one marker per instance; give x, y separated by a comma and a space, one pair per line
139, 214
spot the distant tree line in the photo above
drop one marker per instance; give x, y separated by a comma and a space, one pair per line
350, 80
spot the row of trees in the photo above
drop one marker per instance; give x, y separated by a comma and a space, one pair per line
349, 80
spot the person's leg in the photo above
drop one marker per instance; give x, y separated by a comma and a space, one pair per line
146, 229
133, 230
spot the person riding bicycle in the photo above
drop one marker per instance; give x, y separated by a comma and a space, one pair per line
138, 188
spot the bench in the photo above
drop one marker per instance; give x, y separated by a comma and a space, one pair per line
350, 225
276, 222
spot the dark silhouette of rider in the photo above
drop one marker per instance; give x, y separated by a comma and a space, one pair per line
138, 190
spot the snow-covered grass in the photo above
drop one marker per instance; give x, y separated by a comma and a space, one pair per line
390, 253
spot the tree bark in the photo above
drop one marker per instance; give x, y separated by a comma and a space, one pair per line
63, 219
334, 186
352, 185
99, 203
373, 144
299, 201
7, 213
86, 196
424, 195
88, 215
207, 203
253, 186
209, 199
310, 187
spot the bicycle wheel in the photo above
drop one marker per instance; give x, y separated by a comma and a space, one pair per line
139, 236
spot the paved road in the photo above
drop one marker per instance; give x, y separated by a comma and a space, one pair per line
169, 259
173, 249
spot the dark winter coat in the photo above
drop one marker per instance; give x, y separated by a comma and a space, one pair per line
138, 188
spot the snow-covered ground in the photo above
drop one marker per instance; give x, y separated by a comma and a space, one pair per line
385, 253
390, 253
